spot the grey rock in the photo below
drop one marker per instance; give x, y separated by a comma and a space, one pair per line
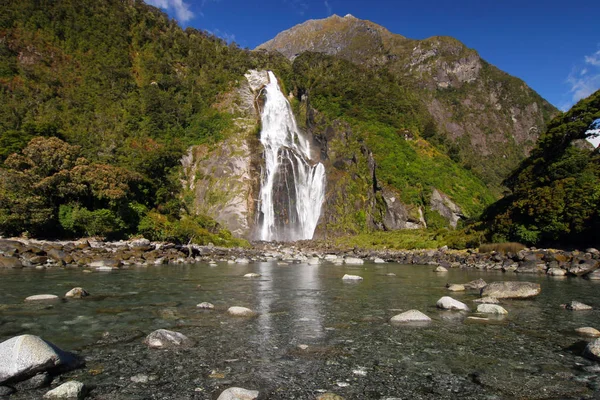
487, 300
236, 393
140, 244
10, 262
588, 331
456, 288
446, 207
68, 390
35, 382
440, 269
448, 303
531, 267
477, 284
163, 338
592, 350
6, 390
77, 293
252, 275
410, 316
24, 356
491, 309
593, 276
354, 260
347, 277
240, 312
139, 378
205, 306
511, 290
42, 297
556, 272
105, 263
583, 267
577, 306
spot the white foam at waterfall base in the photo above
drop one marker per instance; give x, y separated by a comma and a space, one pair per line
283, 142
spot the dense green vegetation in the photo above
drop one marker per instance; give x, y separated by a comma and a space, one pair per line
555, 193
124, 85
385, 118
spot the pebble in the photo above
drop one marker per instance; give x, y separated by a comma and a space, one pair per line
206, 306
236, 393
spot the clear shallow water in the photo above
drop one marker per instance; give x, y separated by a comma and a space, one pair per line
352, 348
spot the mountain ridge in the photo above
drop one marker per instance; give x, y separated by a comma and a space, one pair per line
492, 118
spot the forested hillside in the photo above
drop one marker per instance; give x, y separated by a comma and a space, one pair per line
555, 193
127, 88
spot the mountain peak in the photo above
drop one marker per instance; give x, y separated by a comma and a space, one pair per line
358, 40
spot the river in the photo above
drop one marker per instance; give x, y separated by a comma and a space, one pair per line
313, 333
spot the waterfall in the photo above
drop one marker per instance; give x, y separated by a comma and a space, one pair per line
292, 188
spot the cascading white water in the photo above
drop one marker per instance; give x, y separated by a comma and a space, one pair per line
292, 189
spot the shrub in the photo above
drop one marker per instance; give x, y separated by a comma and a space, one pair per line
509, 247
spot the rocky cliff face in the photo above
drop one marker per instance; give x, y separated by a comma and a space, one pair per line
224, 178
492, 118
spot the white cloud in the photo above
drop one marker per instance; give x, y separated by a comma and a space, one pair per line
594, 59
328, 7
584, 79
228, 37
299, 6
182, 9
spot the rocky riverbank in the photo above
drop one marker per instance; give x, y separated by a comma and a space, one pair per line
98, 255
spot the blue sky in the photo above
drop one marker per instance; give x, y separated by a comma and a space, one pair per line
554, 46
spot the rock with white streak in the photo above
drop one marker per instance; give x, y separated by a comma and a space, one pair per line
163, 338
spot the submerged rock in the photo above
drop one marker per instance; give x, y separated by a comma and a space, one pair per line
354, 260
35, 382
487, 300
206, 306
347, 277
588, 331
477, 284
252, 275
240, 312
491, 309
511, 290
410, 316
378, 260
69, 390
6, 390
24, 356
42, 297
440, 269
236, 393
576, 306
329, 396
448, 303
163, 338
456, 288
77, 293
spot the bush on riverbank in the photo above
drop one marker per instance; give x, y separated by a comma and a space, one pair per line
510, 247
413, 239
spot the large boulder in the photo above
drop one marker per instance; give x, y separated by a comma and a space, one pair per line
592, 350
477, 284
236, 393
163, 338
77, 293
448, 303
511, 290
410, 316
24, 356
583, 267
